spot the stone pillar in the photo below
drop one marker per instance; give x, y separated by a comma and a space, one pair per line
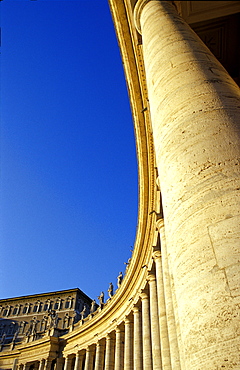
99, 362
79, 361
163, 329
194, 106
137, 339
26, 366
119, 349
109, 356
48, 363
128, 344
89, 358
146, 333
163, 270
67, 363
41, 364
155, 333
59, 363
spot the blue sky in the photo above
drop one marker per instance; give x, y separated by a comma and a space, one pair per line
68, 160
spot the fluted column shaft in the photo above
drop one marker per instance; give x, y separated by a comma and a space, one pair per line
128, 345
109, 355
163, 270
89, 359
137, 339
119, 349
146, 333
41, 364
195, 111
67, 364
155, 333
48, 363
163, 328
99, 362
79, 361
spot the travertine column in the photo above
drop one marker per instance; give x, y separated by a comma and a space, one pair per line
128, 344
164, 343
109, 355
146, 333
155, 333
137, 339
79, 361
195, 110
26, 366
67, 363
99, 361
48, 363
119, 349
163, 270
89, 358
41, 364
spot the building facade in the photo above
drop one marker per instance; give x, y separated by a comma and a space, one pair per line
178, 305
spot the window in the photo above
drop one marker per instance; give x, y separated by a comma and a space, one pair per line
67, 304
25, 309
15, 310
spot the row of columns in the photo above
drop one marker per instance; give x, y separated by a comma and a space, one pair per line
43, 364
142, 341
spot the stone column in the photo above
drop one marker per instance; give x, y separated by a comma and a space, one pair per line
99, 362
195, 107
48, 363
79, 361
128, 344
137, 339
41, 364
26, 366
89, 358
109, 356
163, 269
119, 349
68, 362
163, 329
155, 333
146, 332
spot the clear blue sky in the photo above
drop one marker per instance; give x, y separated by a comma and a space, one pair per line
68, 160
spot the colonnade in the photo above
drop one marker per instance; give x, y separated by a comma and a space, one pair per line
146, 337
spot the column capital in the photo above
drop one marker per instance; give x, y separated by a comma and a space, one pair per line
128, 320
160, 224
119, 329
151, 277
144, 295
137, 13
156, 254
136, 309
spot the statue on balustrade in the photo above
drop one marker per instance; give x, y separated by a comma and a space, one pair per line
119, 279
110, 290
101, 299
93, 306
83, 313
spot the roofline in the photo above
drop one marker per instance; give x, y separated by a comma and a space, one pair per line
46, 294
